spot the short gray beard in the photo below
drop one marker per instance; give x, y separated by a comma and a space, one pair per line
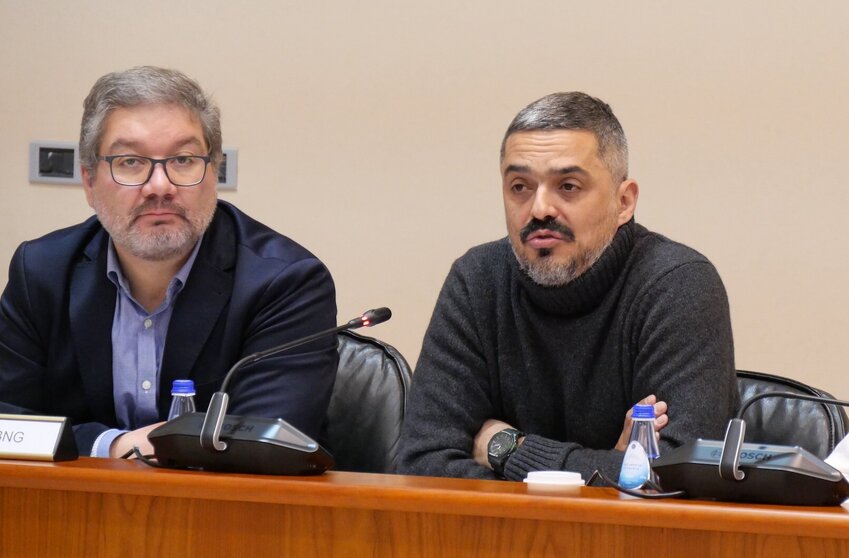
546, 273
158, 245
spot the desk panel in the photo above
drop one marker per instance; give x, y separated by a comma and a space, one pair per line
103, 507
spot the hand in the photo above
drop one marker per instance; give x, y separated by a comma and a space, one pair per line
660, 421
125, 442
487, 431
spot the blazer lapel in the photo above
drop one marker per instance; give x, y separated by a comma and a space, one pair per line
91, 309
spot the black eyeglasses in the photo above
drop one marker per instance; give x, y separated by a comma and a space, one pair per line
136, 170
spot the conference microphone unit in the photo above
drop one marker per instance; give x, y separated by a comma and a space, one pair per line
216, 441
735, 471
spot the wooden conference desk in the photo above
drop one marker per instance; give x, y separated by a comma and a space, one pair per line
104, 507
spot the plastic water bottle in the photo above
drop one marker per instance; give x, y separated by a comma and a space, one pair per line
182, 398
642, 430
642, 448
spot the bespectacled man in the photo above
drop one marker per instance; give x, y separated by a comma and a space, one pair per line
164, 282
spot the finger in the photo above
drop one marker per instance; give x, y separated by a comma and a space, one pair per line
649, 400
660, 408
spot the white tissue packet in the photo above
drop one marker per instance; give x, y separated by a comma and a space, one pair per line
839, 458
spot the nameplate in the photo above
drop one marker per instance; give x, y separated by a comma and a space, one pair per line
37, 438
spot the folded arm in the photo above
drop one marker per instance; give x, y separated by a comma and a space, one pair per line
681, 351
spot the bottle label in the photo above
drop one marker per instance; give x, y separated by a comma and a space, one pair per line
635, 466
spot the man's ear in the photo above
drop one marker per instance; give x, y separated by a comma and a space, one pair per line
87, 183
626, 200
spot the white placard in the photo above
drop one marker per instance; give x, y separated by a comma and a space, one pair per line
25, 437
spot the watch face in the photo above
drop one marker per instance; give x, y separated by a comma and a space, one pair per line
501, 443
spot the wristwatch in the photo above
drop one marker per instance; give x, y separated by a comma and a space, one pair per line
501, 446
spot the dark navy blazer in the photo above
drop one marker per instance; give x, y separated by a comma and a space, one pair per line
250, 289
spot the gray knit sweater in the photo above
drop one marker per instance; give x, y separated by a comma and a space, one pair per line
564, 364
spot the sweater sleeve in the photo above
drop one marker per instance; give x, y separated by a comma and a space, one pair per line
681, 350
450, 395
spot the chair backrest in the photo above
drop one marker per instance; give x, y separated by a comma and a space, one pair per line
367, 405
817, 427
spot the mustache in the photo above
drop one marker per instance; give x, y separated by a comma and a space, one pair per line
153, 204
548, 224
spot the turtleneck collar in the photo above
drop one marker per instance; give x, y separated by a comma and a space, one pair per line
587, 291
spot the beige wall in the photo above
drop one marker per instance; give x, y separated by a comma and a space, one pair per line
369, 131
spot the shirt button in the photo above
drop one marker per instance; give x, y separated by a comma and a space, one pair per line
146, 385
147, 323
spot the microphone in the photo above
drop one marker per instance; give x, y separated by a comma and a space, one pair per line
750, 472
210, 434
256, 445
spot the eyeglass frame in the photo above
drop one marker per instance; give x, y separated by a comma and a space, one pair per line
153, 162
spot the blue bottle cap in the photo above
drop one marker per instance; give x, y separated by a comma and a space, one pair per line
183, 387
643, 412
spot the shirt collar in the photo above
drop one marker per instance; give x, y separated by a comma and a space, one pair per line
115, 274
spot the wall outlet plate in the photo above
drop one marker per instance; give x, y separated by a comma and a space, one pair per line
54, 162
228, 171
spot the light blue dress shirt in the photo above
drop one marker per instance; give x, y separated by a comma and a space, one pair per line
138, 342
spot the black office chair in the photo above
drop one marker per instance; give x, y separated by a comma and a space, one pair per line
367, 405
790, 422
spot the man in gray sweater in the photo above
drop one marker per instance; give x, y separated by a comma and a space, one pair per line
541, 342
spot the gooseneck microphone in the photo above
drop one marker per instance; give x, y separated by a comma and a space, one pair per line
210, 434
253, 444
729, 460
753, 472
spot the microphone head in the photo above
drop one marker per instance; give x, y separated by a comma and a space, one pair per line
375, 316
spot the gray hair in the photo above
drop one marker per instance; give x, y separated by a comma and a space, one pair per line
145, 85
577, 111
